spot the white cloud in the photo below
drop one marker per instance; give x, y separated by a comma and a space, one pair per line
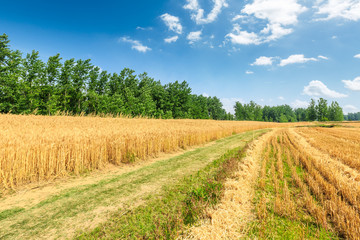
194, 36
144, 29
275, 31
352, 84
281, 98
205, 95
249, 72
171, 39
357, 56
334, 37
284, 12
350, 109
296, 58
318, 89
237, 17
299, 104
280, 14
347, 9
243, 37
229, 103
172, 22
135, 44
263, 61
323, 57
198, 13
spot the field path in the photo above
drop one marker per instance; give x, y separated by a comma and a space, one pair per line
62, 214
230, 218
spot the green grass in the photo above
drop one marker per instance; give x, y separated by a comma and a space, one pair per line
61, 215
168, 215
10, 212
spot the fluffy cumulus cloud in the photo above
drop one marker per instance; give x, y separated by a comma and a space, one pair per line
352, 84
135, 44
319, 89
263, 61
330, 9
296, 58
357, 56
172, 22
243, 37
194, 36
279, 14
198, 13
284, 12
171, 39
299, 104
229, 103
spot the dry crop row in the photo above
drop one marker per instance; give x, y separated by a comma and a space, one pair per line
324, 188
34, 148
340, 143
337, 194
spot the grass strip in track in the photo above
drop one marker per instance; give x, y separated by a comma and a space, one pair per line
168, 215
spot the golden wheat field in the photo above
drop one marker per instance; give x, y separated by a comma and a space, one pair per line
34, 148
312, 174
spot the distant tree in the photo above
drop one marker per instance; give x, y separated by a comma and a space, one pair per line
239, 111
322, 110
65, 86
283, 118
312, 111
300, 114
10, 72
52, 77
216, 111
335, 112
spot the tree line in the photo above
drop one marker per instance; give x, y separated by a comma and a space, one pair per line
319, 111
29, 85
352, 116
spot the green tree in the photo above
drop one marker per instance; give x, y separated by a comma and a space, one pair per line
322, 110
65, 86
52, 77
239, 111
301, 114
33, 78
10, 73
80, 76
311, 111
335, 112
283, 118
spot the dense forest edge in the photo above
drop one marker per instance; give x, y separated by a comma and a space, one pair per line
77, 87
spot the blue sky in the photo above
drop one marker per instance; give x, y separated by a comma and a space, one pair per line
270, 51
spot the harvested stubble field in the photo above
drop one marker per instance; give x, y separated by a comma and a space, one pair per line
35, 148
309, 185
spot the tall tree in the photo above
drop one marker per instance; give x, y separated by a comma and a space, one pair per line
335, 112
311, 111
10, 72
322, 110
52, 73
65, 85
